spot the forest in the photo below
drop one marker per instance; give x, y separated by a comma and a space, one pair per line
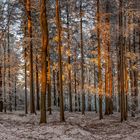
69, 69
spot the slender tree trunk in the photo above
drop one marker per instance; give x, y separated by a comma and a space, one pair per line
1, 99
54, 87
82, 59
4, 76
99, 64
118, 72
37, 84
75, 90
9, 73
118, 66
126, 93
135, 84
49, 82
106, 88
45, 42
69, 62
110, 70
62, 118
58, 90
75, 78
122, 99
106, 40
131, 71
28, 10
8, 51
125, 74
89, 94
95, 99
110, 87
110, 79
25, 70
15, 93
25, 66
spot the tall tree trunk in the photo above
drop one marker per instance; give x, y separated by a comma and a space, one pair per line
95, 99
25, 70
110, 75
106, 40
106, 88
58, 90
49, 81
9, 73
54, 87
110, 86
45, 42
69, 62
89, 94
125, 73
75, 78
15, 80
62, 118
126, 92
135, 84
25, 65
99, 63
118, 72
37, 84
122, 99
1, 99
28, 11
131, 71
4, 77
82, 58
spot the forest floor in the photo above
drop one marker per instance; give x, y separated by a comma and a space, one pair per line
17, 126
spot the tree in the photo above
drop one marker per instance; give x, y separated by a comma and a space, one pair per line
82, 59
25, 59
1, 100
99, 63
37, 82
60, 61
49, 80
122, 96
45, 42
29, 23
69, 61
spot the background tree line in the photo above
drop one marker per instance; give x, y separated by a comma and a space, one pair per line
83, 55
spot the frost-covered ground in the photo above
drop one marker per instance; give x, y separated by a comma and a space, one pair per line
17, 126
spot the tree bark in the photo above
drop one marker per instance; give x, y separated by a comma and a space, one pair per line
28, 11
54, 87
25, 64
69, 62
45, 42
82, 59
122, 94
99, 63
95, 99
62, 118
49, 81
1, 99
37, 85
